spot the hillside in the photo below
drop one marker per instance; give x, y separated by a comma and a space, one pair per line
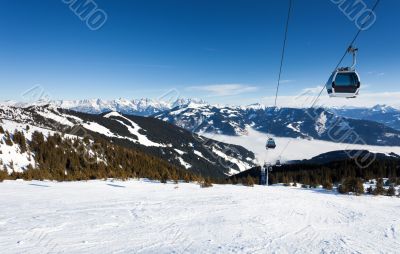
151, 136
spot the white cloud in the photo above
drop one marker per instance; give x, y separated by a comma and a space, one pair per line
285, 81
375, 73
223, 89
312, 90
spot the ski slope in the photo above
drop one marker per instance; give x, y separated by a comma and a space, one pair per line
288, 149
149, 217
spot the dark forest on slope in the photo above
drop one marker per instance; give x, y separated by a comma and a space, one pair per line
320, 174
66, 159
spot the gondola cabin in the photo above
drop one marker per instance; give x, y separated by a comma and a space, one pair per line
270, 144
344, 82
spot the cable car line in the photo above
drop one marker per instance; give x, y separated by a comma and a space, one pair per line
347, 50
271, 142
283, 50
350, 48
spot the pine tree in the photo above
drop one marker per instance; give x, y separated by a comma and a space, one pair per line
379, 189
3, 175
165, 177
250, 181
391, 191
343, 189
8, 139
186, 178
327, 186
370, 190
19, 138
206, 183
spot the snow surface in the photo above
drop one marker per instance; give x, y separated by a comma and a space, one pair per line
148, 217
12, 158
95, 127
184, 163
142, 139
291, 148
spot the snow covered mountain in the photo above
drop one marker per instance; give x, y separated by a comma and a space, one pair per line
384, 114
320, 124
140, 107
387, 115
152, 136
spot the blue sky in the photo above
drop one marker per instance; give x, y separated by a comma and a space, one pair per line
224, 51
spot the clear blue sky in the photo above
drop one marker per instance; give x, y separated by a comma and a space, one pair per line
149, 46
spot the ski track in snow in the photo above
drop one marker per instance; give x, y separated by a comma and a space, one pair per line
148, 217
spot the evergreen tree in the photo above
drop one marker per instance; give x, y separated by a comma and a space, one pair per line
8, 139
391, 191
186, 178
351, 184
379, 189
206, 183
3, 175
19, 138
327, 186
250, 181
1, 130
370, 190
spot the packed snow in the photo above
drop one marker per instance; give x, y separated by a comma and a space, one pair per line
149, 217
288, 149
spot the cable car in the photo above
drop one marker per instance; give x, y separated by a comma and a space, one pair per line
345, 81
270, 144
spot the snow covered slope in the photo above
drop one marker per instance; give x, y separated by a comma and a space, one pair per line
168, 142
146, 217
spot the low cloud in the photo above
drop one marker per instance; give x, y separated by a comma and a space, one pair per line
223, 89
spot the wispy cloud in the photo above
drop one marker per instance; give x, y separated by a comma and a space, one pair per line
223, 89
286, 81
375, 73
312, 90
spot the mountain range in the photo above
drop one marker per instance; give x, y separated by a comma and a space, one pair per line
312, 123
166, 141
387, 115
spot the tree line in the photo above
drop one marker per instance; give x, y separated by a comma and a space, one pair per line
65, 158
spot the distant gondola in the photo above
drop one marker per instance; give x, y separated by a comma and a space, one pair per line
270, 144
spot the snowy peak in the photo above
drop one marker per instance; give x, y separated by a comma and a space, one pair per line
282, 122
141, 107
